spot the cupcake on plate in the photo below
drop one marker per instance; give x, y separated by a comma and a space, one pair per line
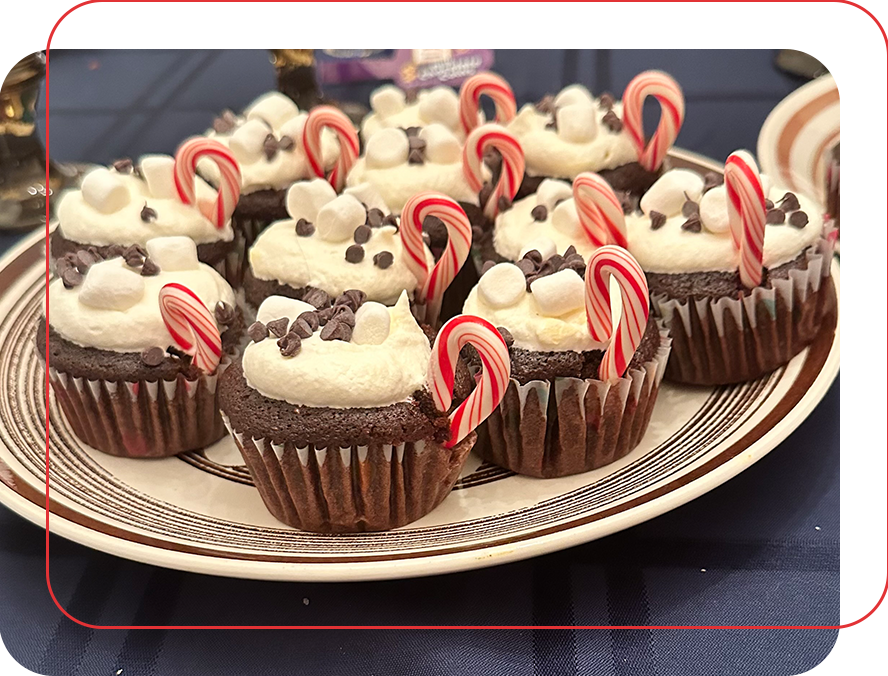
739, 271
582, 389
122, 207
134, 348
357, 431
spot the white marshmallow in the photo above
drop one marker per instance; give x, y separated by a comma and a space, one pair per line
388, 100
111, 285
714, 210
576, 122
157, 170
766, 185
502, 285
566, 220
369, 195
667, 195
248, 140
387, 148
173, 253
275, 307
305, 198
337, 220
440, 104
372, 324
544, 245
442, 147
559, 293
104, 191
293, 128
575, 93
275, 108
551, 190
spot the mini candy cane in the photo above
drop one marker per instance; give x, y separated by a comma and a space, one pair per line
746, 214
493, 86
512, 173
228, 192
191, 326
599, 209
666, 90
491, 384
617, 262
328, 116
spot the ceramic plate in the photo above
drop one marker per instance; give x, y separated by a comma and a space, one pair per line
199, 512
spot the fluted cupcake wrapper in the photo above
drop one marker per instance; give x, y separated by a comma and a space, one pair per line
354, 488
246, 230
144, 419
564, 426
730, 340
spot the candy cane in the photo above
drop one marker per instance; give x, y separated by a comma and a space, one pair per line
512, 172
746, 214
604, 263
184, 172
328, 116
599, 209
666, 90
191, 326
493, 86
492, 383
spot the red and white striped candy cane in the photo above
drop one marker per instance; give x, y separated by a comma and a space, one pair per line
599, 210
746, 214
191, 325
666, 90
336, 120
491, 384
606, 262
512, 173
184, 172
493, 86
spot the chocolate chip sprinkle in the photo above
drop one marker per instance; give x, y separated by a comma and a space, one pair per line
769, 204
798, 219
391, 219
486, 266
412, 131
416, 156
612, 122
789, 202
507, 336
416, 143
224, 313
658, 220
316, 297
278, 327
383, 260
362, 234
375, 217
225, 122
304, 228
270, 146
71, 277
134, 260
149, 268
606, 101
123, 165
148, 214
352, 298
534, 256
712, 180
153, 356
301, 328
485, 193
546, 104
310, 318
290, 344
335, 330
504, 203
693, 224
526, 266
286, 143
775, 217
354, 254
539, 212
257, 332
689, 207
343, 314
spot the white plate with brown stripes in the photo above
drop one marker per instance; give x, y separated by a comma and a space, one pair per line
199, 512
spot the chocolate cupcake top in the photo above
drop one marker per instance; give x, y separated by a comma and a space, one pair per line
681, 225
361, 354
131, 203
335, 243
391, 109
266, 140
399, 163
113, 304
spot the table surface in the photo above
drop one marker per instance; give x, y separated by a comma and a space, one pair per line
762, 549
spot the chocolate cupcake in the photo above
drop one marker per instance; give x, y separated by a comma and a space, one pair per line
735, 311
135, 345
578, 399
337, 423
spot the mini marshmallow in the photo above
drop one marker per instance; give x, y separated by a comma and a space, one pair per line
551, 190
576, 122
110, 285
572, 94
275, 108
369, 195
157, 170
104, 191
387, 148
372, 324
766, 185
502, 285
388, 100
337, 220
305, 198
275, 307
544, 245
440, 104
559, 293
173, 253
714, 210
667, 195
293, 128
565, 219
442, 147
248, 141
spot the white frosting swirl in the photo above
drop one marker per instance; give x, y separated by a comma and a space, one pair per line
339, 374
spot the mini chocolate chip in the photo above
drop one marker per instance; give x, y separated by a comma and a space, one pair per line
789, 202
83, 260
286, 143
301, 328
576, 263
612, 122
525, 265
257, 332
555, 260
412, 131
484, 194
375, 217
153, 356
552, 124
344, 314
798, 219
362, 234
134, 261
134, 250
693, 223
689, 207
304, 228
712, 180
71, 277
391, 219
507, 336
225, 122
546, 104
278, 327
658, 220
628, 203
383, 260
310, 318
416, 156
270, 146
149, 268
336, 331
316, 297
486, 266
62, 264
416, 143
324, 315
223, 312
606, 101
114, 251
534, 256
775, 217
290, 344
769, 204
504, 203
530, 279
354, 254
148, 214
352, 298
123, 165
539, 212
477, 233
569, 251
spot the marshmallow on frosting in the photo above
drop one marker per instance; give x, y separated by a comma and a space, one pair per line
390, 110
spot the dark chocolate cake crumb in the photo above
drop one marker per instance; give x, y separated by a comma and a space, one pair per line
123, 165
775, 217
693, 224
278, 327
375, 217
336, 330
612, 122
362, 234
153, 356
539, 212
789, 202
310, 318
354, 254
304, 228
286, 143
289, 344
658, 220
507, 336
223, 312
711, 180
798, 219
150, 269
383, 259
316, 297
606, 101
